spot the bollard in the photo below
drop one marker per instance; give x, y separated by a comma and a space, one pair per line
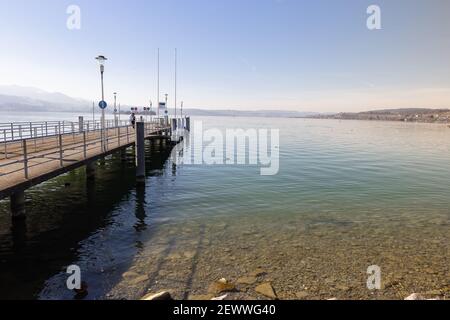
140, 153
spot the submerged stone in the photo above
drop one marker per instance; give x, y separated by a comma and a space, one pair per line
221, 286
267, 290
246, 280
158, 296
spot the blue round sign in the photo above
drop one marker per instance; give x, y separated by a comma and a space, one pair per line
102, 104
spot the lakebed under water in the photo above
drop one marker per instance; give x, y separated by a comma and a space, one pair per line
348, 195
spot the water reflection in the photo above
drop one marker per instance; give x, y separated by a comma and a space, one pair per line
64, 212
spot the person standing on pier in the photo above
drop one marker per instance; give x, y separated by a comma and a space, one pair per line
133, 119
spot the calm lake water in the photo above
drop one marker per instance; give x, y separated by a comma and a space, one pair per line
349, 194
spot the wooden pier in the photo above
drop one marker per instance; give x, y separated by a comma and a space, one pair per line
30, 153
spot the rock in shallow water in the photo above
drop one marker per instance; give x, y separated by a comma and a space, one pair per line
202, 297
139, 279
267, 290
257, 272
246, 280
221, 286
158, 296
302, 295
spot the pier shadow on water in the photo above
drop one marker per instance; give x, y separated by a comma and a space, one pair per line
71, 220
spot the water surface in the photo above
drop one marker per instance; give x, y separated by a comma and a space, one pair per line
349, 194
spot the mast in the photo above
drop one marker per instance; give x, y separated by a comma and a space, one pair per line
176, 83
158, 87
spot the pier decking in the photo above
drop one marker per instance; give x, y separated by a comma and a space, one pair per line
44, 154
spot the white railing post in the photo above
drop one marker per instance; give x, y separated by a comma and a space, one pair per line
35, 139
61, 163
25, 158
84, 145
4, 139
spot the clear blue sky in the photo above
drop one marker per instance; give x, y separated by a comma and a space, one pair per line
243, 54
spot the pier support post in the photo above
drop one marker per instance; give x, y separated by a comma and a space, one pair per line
188, 123
174, 125
90, 170
123, 155
18, 205
140, 153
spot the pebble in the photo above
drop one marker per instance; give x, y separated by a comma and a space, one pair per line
266, 289
221, 286
257, 272
139, 279
130, 274
202, 297
302, 295
246, 280
158, 296
415, 296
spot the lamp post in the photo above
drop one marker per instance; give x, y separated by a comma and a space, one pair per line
151, 105
166, 112
101, 61
115, 109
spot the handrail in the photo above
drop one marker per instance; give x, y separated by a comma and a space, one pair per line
38, 150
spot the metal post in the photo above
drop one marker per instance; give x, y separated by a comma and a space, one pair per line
90, 170
46, 128
140, 153
17, 204
25, 158
4, 138
12, 132
31, 130
20, 132
84, 145
106, 140
61, 163
35, 139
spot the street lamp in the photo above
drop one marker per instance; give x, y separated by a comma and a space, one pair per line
115, 109
150, 109
101, 61
166, 112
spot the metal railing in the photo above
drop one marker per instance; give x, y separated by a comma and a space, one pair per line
39, 143
15, 131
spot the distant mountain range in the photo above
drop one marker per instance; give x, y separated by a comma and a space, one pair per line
17, 98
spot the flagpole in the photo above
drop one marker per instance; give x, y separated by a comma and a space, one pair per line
158, 86
175, 83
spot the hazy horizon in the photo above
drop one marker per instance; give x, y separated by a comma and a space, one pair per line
319, 57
